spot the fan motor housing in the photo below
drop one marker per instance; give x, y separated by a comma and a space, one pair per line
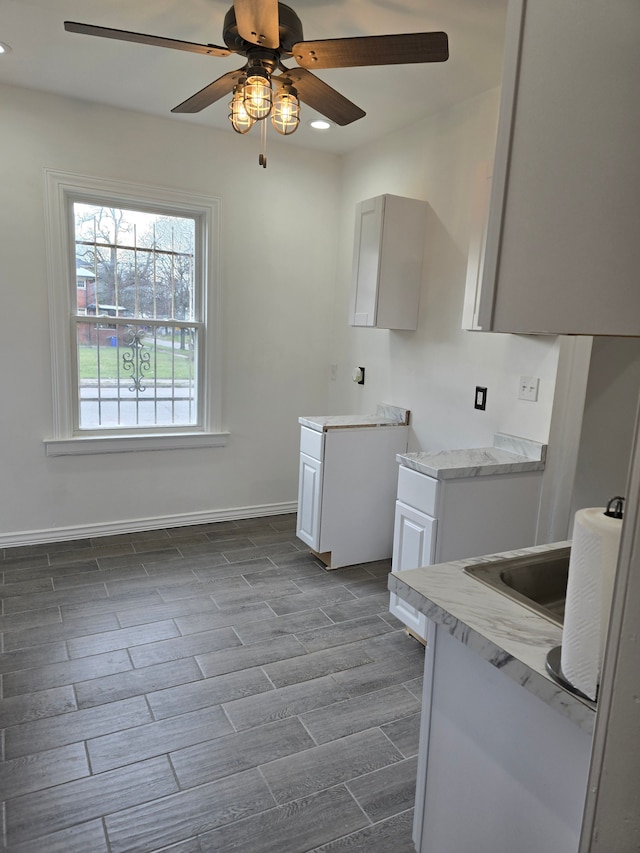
290, 27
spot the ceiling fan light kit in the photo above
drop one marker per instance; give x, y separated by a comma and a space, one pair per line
265, 32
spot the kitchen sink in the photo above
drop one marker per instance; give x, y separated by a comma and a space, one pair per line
538, 581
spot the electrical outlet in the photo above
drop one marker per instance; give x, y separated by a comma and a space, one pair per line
481, 398
358, 375
528, 388
334, 372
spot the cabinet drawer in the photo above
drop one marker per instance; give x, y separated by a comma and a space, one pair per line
417, 490
312, 443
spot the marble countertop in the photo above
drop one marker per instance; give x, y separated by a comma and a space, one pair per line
508, 635
385, 416
509, 455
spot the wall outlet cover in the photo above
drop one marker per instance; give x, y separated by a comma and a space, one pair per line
528, 388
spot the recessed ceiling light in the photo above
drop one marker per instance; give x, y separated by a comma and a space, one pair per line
319, 124
4, 48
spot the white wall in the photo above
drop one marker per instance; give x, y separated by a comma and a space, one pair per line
284, 311
277, 305
434, 370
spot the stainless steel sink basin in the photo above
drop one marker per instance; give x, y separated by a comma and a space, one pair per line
539, 581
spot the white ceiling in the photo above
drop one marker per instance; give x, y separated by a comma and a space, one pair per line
153, 80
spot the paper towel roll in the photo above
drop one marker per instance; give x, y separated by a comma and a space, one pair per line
592, 569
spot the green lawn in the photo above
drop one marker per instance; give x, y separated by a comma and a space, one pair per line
161, 364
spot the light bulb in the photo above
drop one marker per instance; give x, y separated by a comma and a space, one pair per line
257, 93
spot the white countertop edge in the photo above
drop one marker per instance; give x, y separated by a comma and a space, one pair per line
509, 454
324, 423
503, 632
386, 416
475, 462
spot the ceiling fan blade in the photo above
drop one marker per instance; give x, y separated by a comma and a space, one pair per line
372, 50
321, 97
257, 22
141, 38
210, 94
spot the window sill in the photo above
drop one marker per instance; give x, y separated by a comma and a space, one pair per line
83, 446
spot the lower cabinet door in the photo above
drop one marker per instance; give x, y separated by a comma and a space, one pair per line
519, 767
309, 501
414, 539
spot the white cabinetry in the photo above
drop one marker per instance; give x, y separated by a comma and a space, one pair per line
562, 250
450, 519
477, 246
498, 770
309, 499
387, 262
346, 492
413, 545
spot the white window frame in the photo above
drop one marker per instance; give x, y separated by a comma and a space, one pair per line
61, 190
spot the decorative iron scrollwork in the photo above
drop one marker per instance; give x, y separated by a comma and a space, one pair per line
137, 362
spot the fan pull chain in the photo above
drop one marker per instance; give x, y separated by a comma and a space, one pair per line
262, 159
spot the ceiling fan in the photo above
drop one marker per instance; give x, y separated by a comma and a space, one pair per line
266, 32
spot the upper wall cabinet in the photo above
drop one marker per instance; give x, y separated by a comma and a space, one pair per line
387, 262
562, 251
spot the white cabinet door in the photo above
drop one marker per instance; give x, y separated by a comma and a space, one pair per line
563, 253
499, 770
413, 546
366, 260
309, 501
387, 262
413, 538
477, 246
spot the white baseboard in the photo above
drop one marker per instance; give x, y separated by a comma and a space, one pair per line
111, 528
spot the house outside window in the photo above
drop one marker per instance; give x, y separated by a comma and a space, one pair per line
134, 296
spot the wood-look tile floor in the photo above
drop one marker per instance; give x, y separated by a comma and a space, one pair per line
204, 689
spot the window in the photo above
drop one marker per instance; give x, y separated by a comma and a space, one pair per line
134, 316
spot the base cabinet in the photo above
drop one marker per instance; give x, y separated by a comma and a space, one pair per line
498, 769
452, 519
346, 492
